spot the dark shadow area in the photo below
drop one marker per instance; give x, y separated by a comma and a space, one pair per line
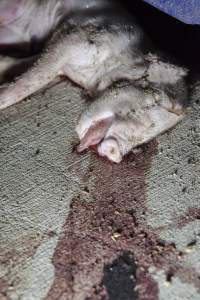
180, 40
120, 278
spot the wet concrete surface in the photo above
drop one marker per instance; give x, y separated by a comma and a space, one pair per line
78, 227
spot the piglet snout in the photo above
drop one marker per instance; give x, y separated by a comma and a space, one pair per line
110, 149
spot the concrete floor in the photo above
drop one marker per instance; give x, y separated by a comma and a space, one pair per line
77, 227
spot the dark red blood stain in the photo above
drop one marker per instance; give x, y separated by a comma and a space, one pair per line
3, 288
16, 256
192, 214
98, 233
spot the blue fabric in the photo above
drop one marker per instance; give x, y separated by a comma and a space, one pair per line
187, 11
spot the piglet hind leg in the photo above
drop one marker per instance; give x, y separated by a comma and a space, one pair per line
24, 87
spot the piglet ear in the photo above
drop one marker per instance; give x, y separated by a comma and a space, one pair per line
95, 133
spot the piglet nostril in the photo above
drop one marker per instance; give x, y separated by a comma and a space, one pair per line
112, 150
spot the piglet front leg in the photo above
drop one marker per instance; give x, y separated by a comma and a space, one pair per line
45, 70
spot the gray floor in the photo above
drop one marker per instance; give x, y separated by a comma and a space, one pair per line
41, 175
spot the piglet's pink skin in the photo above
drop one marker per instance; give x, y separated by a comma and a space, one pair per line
91, 50
22, 21
138, 117
95, 134
24, 27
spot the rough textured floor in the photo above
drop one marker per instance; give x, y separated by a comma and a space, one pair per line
78, 227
